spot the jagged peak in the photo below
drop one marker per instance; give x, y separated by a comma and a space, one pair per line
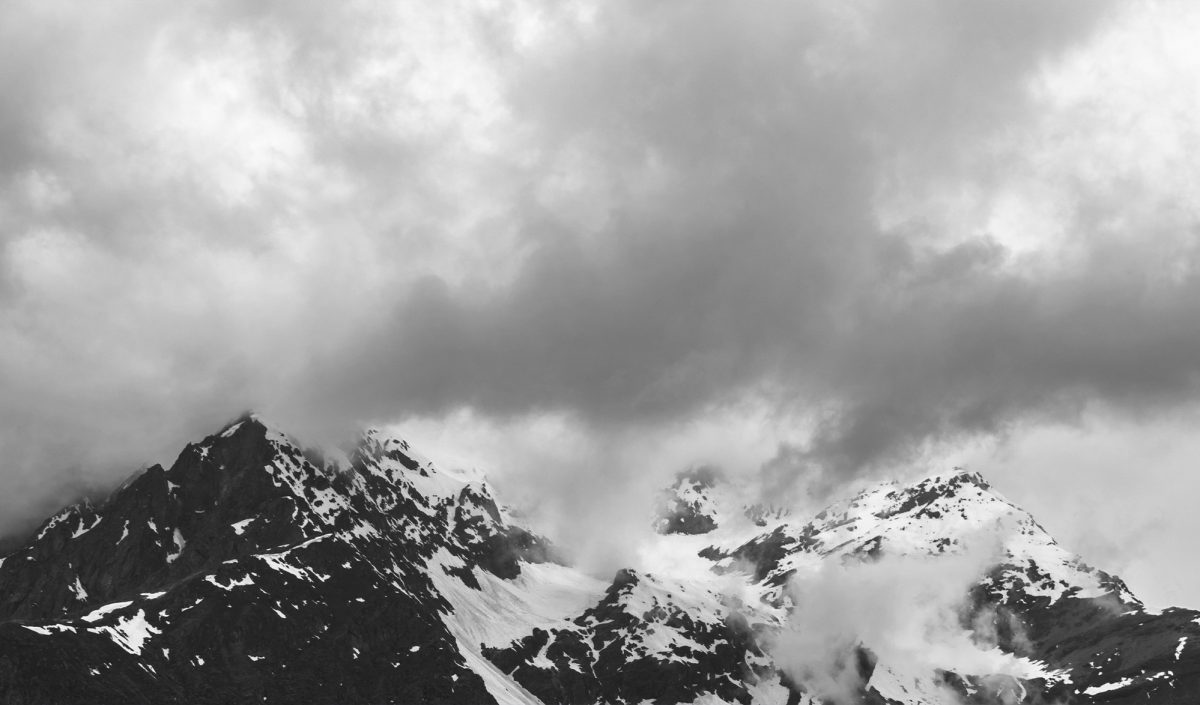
57, 518
958, 477
381, 441
699, 475
645, 595
948, 513
382, 437
376, 447
253, 427
625, 577
924, 490
974, 476
388, 441
373, 442
257, 420
687, 506
248, 416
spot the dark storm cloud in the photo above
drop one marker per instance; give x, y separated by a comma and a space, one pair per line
628, 213
972, 354
755, 263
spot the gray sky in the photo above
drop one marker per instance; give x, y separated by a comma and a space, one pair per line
844, 239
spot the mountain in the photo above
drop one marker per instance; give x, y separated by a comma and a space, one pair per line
256, 570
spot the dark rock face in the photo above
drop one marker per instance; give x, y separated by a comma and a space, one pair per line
686, 507
763, 553
247, 633
246, 573
490, 544
1109, 646
642, 641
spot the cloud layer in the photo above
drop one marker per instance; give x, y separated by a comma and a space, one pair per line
907, 611
891, 226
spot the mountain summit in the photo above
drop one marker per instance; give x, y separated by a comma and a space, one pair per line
255, 570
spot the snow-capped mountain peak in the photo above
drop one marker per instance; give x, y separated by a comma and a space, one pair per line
256, 568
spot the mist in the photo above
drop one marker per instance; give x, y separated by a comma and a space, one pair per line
906, 610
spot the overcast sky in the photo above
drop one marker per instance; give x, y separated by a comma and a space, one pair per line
836, 241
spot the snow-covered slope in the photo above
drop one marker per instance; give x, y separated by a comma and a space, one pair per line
1029, 598
939, 515
255, 570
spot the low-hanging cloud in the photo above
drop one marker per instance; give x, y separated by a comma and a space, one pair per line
902, 223
905, 610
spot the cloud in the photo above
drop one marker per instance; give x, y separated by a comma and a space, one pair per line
1107, 489
905, 610
890, 226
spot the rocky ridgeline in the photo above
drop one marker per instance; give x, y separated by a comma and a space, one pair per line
254, 570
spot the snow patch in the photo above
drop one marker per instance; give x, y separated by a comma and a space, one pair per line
81, 529
49, 629
279, 562
243, 581
99, 612
54, 521
1115, 685
179, 544
77, 589
130, 633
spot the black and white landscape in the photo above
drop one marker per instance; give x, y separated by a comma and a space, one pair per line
776, 351
254, 570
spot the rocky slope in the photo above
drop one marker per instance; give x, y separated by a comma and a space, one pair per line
254, 570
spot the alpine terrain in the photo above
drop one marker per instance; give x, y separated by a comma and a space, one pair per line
257, 570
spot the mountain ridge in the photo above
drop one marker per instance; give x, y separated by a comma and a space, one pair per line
256, 570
